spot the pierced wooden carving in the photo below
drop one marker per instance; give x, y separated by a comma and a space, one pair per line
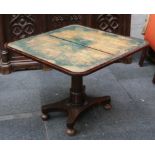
21, 26
56, 21
108, 22
75, 18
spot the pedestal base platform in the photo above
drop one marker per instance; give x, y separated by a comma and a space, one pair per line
74, 111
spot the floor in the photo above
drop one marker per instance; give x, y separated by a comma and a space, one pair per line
130, 86
132, 116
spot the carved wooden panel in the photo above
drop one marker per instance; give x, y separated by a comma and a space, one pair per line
57, 21
114, 23
21, 26
108, 22
17, 27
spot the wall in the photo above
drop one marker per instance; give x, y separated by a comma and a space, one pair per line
137, 24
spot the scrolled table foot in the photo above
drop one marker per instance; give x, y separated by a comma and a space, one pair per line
45, 117
107, 106
70, 131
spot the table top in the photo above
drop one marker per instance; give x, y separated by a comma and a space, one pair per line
77, 50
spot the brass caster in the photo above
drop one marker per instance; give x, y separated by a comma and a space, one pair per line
45, 117
71, 132
107, 106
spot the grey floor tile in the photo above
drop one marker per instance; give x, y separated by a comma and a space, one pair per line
19, 92
103, 80
141, 89
126, 130
20, 80
131, 71
147, 110
34, 79
22, 129
22, 92
19, 101
98, 124
55, 88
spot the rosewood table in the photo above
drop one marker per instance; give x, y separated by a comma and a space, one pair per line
77, 51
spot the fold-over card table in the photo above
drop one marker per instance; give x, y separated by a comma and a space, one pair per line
77, 51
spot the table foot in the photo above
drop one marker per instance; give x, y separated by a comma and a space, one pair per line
45, 117
107, 106
70, 131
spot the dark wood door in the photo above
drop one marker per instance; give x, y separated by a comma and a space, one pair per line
14, 27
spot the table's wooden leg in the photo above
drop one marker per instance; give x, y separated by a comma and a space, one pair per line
153, 79
142, 57
76, 104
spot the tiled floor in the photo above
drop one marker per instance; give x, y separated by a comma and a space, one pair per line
130, 86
